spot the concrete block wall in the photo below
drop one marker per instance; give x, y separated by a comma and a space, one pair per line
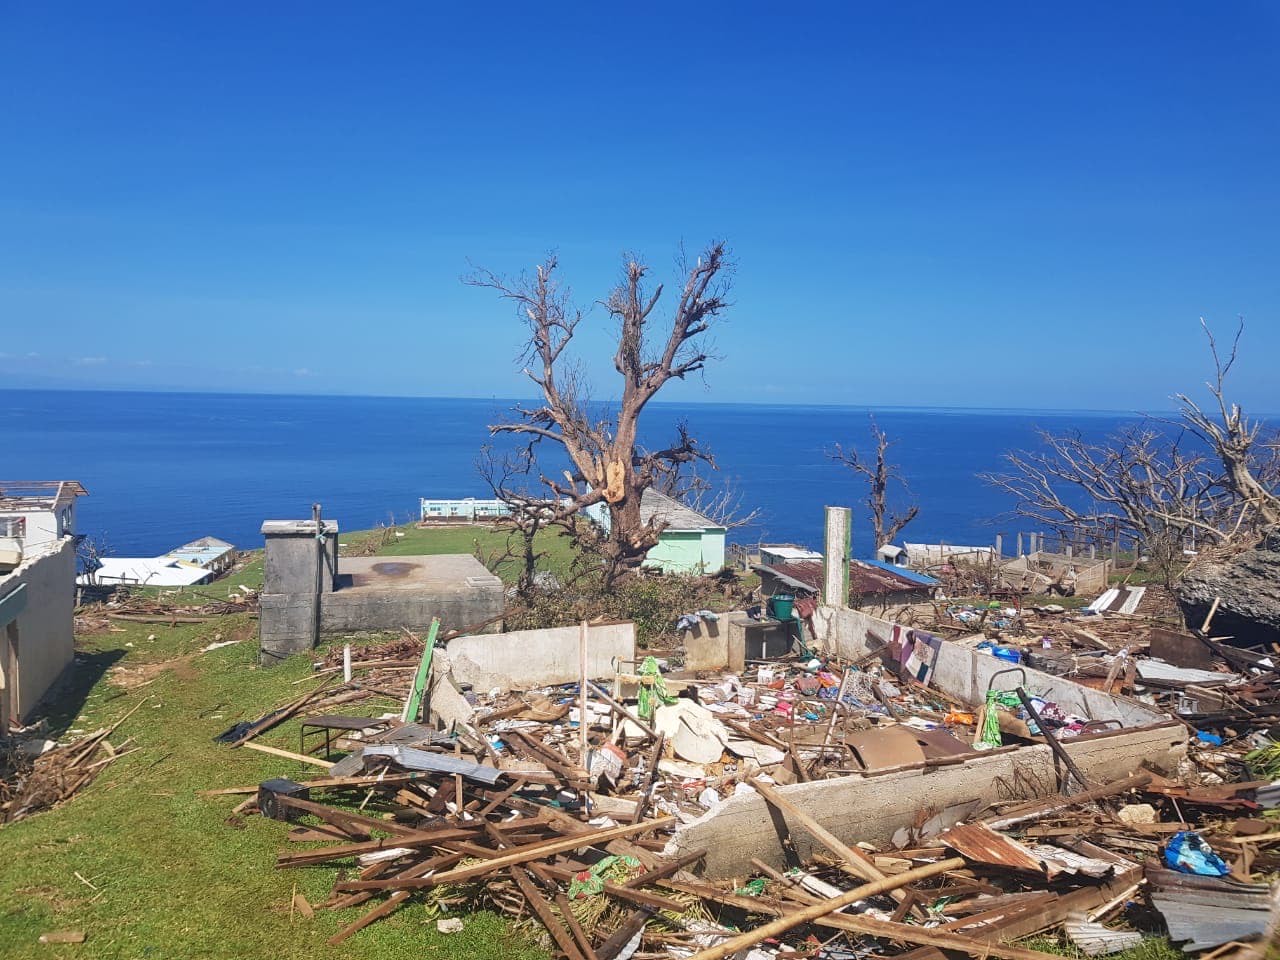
45, 628
966, 673
291, 556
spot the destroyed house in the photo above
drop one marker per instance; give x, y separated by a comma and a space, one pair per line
869, 582
37, 513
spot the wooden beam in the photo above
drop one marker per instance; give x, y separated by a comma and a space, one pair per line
518, 855
542, 910
819, 910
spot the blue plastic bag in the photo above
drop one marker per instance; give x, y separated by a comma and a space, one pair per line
1188, 853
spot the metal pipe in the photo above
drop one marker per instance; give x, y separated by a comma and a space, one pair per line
315, 606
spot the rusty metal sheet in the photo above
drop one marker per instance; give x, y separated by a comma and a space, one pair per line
882, 747
981, 844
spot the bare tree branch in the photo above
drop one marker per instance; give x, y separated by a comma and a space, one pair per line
1151, 484
880, 475
608, 464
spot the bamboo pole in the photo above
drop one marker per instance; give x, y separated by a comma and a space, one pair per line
774, 928
517, 855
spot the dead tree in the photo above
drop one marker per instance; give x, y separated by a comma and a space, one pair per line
528, 515
1249, 466
722, 503
1153, 482
608, 465
880, 475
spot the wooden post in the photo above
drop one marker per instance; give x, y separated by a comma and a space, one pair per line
1213, 609
582, 696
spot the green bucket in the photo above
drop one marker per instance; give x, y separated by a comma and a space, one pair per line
781, 605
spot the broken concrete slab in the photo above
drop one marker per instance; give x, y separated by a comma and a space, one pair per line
527, 659
873, 806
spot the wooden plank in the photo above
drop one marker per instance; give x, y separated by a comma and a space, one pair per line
882, 929
426, 838
278, 717
288, 754
542, 910
817, 911
413, 703
344, 819
518, 855
625, 893
377, 913
566, 912
852, 861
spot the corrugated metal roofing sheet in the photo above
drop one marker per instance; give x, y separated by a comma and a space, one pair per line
1206, 912
981, 844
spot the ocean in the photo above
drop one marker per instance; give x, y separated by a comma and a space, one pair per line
164, 468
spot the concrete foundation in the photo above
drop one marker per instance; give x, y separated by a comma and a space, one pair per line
360, 594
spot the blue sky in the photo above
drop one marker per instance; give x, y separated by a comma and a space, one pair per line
1013, 205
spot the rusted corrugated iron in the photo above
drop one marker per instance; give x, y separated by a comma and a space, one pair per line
981, 844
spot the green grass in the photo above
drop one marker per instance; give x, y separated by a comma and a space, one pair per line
1153, 948
171, 878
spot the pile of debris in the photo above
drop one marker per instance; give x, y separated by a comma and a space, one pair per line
37, 774
565, 807
126, 606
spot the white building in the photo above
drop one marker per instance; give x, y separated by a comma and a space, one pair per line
196, 562
37, 591
35, 514
465, 510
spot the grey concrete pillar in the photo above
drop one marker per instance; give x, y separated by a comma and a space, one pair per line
293, 562
835, 556
291, 556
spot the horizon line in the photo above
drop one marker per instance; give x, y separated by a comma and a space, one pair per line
906, 408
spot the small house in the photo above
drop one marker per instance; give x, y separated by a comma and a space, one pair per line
211, 553
199, 561
689, 543
771, 553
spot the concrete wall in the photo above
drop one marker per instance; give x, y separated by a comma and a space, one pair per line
873, 807
716, 645
687, 551
524, 659
965, 673
285, 620
44, 634
291, 557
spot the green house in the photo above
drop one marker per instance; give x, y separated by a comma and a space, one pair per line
689, 542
